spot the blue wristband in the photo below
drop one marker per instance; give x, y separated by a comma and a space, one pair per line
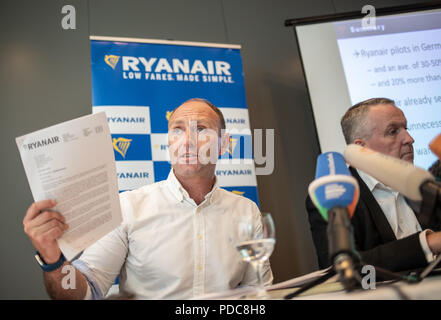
49, 267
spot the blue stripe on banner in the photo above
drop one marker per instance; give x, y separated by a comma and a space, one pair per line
161, 169
160, 113
248, 192
131, 147
241, 147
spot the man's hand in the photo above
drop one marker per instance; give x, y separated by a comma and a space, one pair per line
434, 242
43, 227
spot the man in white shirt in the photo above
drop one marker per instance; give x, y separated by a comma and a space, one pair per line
177, 239
386, 230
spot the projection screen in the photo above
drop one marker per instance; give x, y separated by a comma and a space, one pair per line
398, 57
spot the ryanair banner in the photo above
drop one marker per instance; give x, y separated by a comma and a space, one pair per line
138, 82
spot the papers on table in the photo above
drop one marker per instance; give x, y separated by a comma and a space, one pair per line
243, 292
299, 281
73, 162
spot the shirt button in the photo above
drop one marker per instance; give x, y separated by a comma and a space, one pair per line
199, 267
199, 236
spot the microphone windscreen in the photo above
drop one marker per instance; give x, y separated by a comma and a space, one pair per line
334, 185
435, 146
398, 174
331, 163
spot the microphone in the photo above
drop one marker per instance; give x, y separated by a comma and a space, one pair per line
335, 193
333, 185
413, 182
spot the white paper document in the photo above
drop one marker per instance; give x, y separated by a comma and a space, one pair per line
299, 281
242, 292
73, 163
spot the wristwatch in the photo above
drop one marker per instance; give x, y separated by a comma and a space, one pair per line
49, 267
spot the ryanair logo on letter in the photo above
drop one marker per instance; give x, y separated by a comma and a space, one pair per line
121, 145
111, 60
41, 143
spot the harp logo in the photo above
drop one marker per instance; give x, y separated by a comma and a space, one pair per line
168, 115
239, 193
121, 145
111, 60
231, 146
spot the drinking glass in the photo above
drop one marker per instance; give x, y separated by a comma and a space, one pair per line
255, 245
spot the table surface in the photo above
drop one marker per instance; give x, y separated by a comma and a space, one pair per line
428, 289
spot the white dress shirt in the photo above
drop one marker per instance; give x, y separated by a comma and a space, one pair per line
170, 248
398, 213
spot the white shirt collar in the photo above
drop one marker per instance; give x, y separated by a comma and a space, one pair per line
397, 211
373, 183
179, 191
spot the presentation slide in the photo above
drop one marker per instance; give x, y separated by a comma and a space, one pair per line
398, 58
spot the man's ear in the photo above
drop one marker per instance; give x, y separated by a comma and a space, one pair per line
225, 142
360, 142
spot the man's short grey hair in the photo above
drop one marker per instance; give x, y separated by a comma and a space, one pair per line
212, 106
354, 122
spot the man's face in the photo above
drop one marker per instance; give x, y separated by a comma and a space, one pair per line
193, 138
389, 132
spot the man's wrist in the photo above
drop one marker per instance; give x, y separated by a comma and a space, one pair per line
434, 241
425, 246
48, 267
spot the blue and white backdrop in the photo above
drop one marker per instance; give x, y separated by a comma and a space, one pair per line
138, 82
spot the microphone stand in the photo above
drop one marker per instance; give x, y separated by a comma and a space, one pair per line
346, 262
352, 282
341, 244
